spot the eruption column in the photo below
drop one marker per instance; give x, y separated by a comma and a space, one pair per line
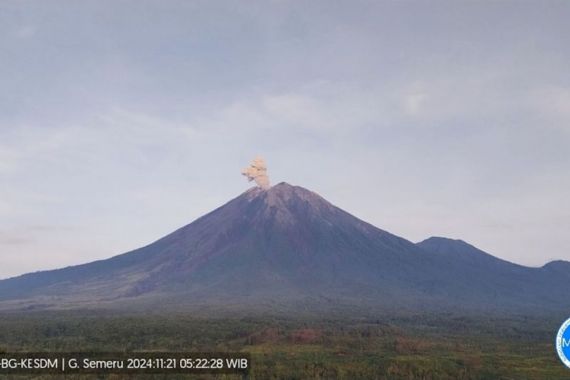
257, 171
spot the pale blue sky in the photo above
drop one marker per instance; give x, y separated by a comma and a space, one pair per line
121, 121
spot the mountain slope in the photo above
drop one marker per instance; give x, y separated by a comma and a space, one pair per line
499, 284
282, 248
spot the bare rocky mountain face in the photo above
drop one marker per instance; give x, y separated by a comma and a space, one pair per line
288, 249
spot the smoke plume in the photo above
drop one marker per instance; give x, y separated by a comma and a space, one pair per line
257, 171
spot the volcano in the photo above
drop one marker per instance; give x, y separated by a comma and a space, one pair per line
286, 248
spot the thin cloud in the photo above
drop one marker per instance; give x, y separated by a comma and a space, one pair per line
449, 119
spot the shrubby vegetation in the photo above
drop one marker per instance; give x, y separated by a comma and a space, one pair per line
387, 347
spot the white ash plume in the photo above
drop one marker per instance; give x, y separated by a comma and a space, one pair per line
257, 171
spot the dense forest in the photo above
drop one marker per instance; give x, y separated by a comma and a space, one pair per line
385, 347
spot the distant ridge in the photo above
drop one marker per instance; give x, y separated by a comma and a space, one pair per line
288, 249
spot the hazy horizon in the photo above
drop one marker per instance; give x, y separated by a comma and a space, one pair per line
123, 121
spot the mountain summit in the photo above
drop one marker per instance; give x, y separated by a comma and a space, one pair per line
285, 248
